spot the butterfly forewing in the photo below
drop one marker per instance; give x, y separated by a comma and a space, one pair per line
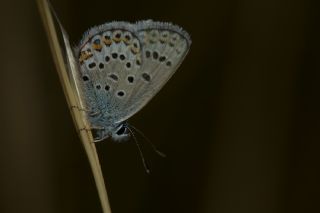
163, 49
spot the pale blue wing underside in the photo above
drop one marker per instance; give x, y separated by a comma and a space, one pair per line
122, 65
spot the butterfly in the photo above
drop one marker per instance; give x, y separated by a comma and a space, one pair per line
120, 67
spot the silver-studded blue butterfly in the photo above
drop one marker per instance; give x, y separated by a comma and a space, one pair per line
121, 66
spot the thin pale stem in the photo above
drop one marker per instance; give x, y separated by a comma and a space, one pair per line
72, 98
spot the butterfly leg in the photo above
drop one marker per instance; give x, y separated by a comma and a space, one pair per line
96, 131
97, 127
84, 129
91, 128
91, 113
78, 108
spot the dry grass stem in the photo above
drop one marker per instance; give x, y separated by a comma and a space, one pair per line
72, 93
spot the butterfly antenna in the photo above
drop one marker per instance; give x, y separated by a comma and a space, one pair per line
140, 151
147, 139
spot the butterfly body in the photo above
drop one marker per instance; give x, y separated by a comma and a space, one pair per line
122, 66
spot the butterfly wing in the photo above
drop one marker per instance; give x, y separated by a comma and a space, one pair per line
164, 46
124, 65
109, 59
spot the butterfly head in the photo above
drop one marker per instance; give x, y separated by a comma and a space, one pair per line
119, 132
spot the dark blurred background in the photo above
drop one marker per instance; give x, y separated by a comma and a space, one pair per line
239, 121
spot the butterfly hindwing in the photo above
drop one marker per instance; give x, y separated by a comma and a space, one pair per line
108, 63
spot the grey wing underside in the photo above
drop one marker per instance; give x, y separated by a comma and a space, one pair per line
168, 47
123, 75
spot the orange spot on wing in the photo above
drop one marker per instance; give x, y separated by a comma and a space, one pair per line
84, 55
107, 42
97, 46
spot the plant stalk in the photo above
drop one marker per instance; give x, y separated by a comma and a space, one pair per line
72, 95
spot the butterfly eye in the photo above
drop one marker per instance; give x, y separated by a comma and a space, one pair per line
122, 130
